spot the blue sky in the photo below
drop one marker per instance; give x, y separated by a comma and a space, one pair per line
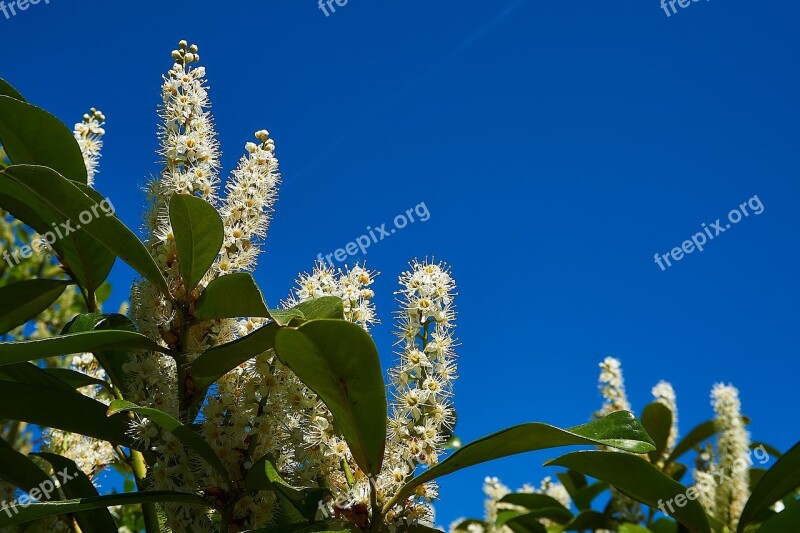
557, 145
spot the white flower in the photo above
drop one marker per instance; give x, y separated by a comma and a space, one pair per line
612, 387
665, 394
733, 450
89, 134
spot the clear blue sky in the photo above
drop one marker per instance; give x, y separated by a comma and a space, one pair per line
558, 146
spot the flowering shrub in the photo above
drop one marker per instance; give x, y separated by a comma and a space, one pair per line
731, 488
225, 413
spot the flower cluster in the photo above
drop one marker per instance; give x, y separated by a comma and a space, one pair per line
733, 447
352, 285
89, 134
422, 416
664, 394
251, 194
612, 387
233, 416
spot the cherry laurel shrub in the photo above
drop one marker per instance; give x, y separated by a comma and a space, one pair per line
223, 413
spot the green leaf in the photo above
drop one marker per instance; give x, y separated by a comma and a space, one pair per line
620, 430
542, 505
627, 527
218, 361
80, 486
183, 433
112, 361
696, 436
198, 234
283, 317
657, 420
339, 362
90, 341
591, 520
6, 89
584, 497
62, 409
664, 525
519, 521
69, 201
18, 470
23, 301
32, 375
781, 479
85, 260
30, 135
323, 307
231, 296
786, 520
36, 511
640, 480
573, 482
264, 476
75, 380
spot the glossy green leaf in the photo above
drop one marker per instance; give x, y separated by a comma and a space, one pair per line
620, 430
232, 296
36, 511
218, 361
323, 307
657, 420
32, 136
69, 201
62, 409
90, 341
80, 486
183, 433
84, 259
198, 234
284, 317
541, 505
339, 362
6, 89
781, 479
23, 301
640, 480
